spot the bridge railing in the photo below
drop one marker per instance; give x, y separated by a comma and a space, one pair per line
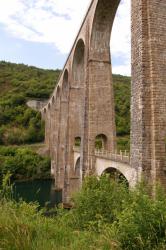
121, 156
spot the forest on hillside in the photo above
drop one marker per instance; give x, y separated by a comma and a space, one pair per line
20, 124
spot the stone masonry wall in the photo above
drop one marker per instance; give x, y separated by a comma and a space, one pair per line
148, 108
88, 110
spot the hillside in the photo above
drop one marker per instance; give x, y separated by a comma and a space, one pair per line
18, 83
20, 124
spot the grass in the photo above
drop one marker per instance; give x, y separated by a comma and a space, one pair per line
106, 216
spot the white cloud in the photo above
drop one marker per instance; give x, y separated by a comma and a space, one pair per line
57, 22
47, 21
121, 38
123, 69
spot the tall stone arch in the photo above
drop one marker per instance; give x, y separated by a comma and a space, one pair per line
55, 133
52, 134
91, 101
63, 129
51, 106
48, 127
100, 117
76, 104
44, 116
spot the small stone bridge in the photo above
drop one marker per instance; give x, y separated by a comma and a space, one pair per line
81, 107
117, 164
107, 162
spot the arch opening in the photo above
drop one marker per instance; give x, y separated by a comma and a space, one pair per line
120, 47
101, 142
53, 99
78, 63
102, 27
115, 175
65, 86
77, 141
77, 168
57, 99
110, 42
57, 92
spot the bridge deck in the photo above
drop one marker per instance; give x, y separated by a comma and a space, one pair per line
123, 157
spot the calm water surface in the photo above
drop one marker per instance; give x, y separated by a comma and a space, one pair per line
41, 191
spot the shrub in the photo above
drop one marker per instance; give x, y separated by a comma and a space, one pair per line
125, 219
2, 130
28, 114
7, 151
98, 201
23, 163
123, 143
15, 137
142, 222
17, 99
106, 216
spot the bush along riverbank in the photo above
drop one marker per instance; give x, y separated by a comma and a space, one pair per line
106, 215
23, 163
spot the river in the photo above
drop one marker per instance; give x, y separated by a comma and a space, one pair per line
41, 191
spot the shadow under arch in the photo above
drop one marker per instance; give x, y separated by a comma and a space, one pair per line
57, 92
101, 29
77, 97
49, 105
63, 126
78, 63
116, 175
77, 168
53, 99
65, 86
100, 51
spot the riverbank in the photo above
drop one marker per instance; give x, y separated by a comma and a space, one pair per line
23, 163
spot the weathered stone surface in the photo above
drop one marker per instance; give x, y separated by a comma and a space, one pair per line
148, 106
82, 105
37, 104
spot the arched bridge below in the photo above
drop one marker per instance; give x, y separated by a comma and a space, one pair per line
104, 161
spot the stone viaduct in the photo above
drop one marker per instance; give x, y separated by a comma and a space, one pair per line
81, 108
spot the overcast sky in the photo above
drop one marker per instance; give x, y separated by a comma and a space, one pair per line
41, 32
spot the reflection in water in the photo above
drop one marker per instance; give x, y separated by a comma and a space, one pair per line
42, 191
